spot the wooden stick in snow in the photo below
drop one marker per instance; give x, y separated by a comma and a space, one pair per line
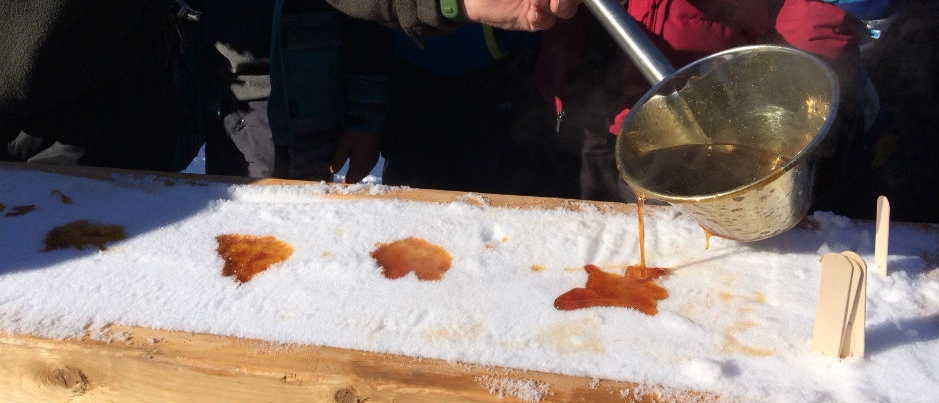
839, 315
857, 304
882, 230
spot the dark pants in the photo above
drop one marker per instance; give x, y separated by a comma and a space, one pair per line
238, 140
599, 177
488, 131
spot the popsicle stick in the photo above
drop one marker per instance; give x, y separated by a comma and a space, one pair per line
854, 345
882, 230
831, 312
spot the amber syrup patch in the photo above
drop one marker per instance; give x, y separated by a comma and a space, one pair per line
247, 255
634, 289
426, 260
82, 233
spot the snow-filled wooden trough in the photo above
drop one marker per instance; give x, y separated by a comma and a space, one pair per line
145, 311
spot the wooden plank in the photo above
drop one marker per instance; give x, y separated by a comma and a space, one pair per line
130, 364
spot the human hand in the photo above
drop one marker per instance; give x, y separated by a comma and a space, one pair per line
361, 149
520, 15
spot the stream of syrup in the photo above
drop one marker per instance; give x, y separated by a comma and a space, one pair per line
635, 289
707, 238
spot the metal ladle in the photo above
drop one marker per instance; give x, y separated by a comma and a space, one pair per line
629, 36
732, 109
653, 65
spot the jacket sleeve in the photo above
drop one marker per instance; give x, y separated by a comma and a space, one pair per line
418, 18
53, 51
829, 32
819, 28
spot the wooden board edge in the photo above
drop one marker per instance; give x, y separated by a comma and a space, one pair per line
340, 191
127, 364
389, 192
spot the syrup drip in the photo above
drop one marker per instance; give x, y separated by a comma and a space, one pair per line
248, 255
707, 238
65, 199
426, 260
640, 201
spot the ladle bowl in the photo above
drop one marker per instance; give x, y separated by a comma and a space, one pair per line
731, 139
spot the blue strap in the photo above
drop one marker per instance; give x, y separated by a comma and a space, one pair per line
866, 9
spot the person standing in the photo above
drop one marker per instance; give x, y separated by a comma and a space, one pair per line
94, 83
593, 84
292, 88
470, 119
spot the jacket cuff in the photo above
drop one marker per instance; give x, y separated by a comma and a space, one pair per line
421, 19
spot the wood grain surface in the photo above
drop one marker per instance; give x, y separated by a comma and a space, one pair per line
130, 364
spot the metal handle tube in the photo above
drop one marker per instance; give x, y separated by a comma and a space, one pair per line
651, 62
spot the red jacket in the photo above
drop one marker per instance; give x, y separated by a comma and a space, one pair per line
686, 30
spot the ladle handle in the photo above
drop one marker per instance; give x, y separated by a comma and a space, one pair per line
651, 62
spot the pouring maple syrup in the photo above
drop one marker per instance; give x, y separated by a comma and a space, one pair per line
635, 289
